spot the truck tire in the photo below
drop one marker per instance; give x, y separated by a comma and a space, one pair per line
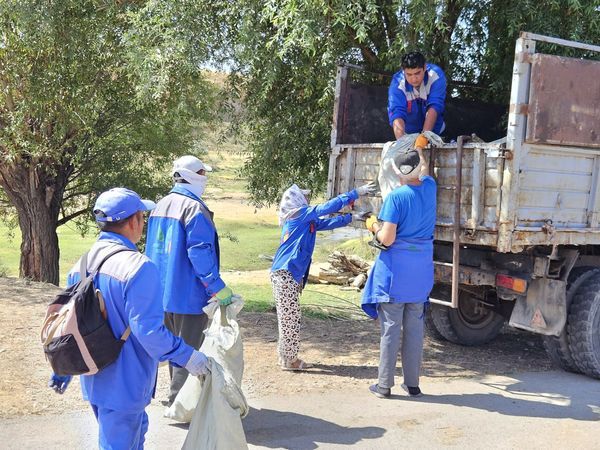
431, 327
584, 327
557, 347
466, 325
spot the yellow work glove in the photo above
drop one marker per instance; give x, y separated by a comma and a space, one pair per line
371, 220
421, 142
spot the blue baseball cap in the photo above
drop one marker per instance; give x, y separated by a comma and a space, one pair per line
118, 204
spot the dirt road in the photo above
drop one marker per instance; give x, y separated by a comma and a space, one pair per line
500, 395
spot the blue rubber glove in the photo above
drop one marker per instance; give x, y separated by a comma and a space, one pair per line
59, 383
197, 364
224, 296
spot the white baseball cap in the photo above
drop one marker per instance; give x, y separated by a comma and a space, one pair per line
190, 162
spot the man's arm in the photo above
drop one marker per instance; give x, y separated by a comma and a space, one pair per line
396, 107
430, 118
201, 251
386, 233
399, 127
145, 316
435, 100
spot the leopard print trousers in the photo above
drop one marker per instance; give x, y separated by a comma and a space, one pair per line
286, 292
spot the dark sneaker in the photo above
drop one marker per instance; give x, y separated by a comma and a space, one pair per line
379, 391
412, 391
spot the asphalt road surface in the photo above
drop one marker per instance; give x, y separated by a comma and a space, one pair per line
527, 410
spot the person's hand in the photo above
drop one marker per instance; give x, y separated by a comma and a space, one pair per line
361, 215
59, 383
197, 364
224, 296
367, 189
421, 141
370, 223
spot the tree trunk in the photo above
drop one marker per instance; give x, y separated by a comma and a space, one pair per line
36, 191
39, 243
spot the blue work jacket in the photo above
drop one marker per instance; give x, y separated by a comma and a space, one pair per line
406, 103
183, 243
299, 234
129, 284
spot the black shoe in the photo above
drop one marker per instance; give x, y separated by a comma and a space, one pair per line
379, 391
412, 391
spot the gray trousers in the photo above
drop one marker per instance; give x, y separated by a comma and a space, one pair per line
190, 327
401, 330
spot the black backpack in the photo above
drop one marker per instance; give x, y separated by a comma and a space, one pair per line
76, 336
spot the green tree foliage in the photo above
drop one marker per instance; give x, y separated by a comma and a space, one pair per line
287, 52
94, 94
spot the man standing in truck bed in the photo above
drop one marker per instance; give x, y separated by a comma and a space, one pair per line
416, 97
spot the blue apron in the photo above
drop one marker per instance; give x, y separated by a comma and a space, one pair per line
401, 274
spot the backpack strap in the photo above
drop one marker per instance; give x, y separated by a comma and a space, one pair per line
83, 264
119, 250
102, 303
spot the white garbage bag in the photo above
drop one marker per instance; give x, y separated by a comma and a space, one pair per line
217, 420
388, 178
223, 343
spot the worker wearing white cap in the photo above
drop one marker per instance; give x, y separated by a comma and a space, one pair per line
184, 244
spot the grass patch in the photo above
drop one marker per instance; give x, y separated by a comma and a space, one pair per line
72, 245
317, 300
358, 247
242, 242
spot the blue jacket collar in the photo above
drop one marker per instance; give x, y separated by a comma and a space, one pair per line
183, 191
117, 239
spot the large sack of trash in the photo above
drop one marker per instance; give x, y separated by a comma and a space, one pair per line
217, 420
388, 178
222, 344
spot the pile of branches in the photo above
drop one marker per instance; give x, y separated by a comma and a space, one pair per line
348, 271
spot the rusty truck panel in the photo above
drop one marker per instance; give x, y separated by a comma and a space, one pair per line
564, 104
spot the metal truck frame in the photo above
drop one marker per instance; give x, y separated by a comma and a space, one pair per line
517, 234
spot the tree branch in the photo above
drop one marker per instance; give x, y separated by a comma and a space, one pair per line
75, 194
10, 103
65, 219
366, 52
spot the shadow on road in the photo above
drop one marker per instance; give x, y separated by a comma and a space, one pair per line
359, 372
272, 429
550, 396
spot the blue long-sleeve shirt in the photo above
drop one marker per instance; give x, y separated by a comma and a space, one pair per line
129, 283
183, 243
298, 235
404, 102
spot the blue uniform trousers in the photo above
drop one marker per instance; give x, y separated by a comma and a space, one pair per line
119, 430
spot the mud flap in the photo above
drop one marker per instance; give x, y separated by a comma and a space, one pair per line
544, 310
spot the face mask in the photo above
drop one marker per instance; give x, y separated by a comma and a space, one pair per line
197, 182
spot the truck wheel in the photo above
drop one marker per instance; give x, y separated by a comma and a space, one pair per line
584, 327
557, 347
470, 324
430, 325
